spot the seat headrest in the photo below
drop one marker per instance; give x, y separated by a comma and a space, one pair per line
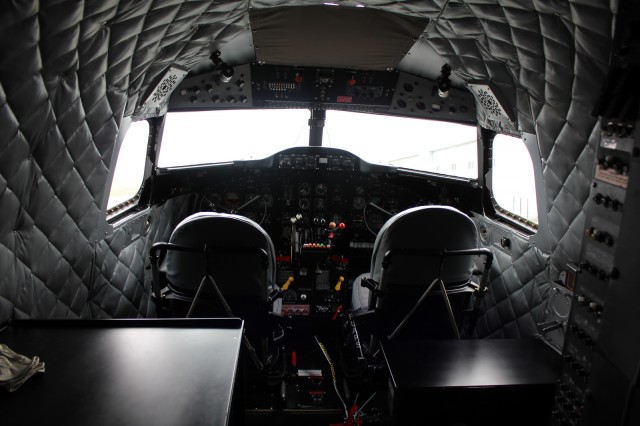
215, 230
429, 228
219, 230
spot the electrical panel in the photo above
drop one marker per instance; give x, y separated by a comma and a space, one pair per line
285, 86
601, 353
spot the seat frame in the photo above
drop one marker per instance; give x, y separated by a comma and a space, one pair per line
442, 254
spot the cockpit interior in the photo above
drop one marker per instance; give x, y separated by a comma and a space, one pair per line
345, 213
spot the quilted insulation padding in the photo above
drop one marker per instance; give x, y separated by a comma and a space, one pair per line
123, 287
519, 288
69, 70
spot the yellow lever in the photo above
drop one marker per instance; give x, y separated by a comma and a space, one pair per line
339, 283
287, 283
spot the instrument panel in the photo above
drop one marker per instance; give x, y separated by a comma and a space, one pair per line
322, 209
273, 200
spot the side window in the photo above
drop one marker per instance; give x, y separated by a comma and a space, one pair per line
513, 184
129, 170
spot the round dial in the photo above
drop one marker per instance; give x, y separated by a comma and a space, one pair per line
374, 221
321, 189
358, 203
304, 203
304, 189
232, 201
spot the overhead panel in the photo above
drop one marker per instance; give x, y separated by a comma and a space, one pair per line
283, 86
209, 90
418, 97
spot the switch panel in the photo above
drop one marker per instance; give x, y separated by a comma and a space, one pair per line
596, 350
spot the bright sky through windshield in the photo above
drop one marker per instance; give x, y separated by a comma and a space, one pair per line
206, 137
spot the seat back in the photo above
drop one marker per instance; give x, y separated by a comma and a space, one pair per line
235, 258
406, 260
425, 228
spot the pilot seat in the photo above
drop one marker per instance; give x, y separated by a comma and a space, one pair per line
421, 279
221, 265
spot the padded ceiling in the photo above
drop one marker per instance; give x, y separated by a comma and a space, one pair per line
71, 69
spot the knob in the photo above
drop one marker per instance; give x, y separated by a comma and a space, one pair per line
598, 198
215, 99
209, 88
594, 307
231, 99
243, 99
608, 240
581, 301
303, 297
616, 205
183, 92
193, 99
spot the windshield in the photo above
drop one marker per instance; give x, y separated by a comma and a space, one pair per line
209, 137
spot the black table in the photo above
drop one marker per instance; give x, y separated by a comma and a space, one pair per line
125, 372
475, 382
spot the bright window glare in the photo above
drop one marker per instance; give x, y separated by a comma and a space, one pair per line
513, 183
129, 171
209, 137
206, 137
434, 146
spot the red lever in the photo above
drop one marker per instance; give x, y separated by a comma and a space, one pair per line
336, 313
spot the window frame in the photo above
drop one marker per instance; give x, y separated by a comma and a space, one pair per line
119, 210
537, 233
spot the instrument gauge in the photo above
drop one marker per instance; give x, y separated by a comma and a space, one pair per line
321, 189
358, 203
232, 201
304, 203
374, 222
304, 189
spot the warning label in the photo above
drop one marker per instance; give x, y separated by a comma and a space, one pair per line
612, 176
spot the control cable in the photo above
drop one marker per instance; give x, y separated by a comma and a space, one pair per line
333, 376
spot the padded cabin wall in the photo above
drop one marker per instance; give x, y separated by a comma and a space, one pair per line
550, 64
69, 71
59, 114
122, 285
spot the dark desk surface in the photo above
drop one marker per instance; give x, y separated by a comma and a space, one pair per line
470, 363
124, 372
